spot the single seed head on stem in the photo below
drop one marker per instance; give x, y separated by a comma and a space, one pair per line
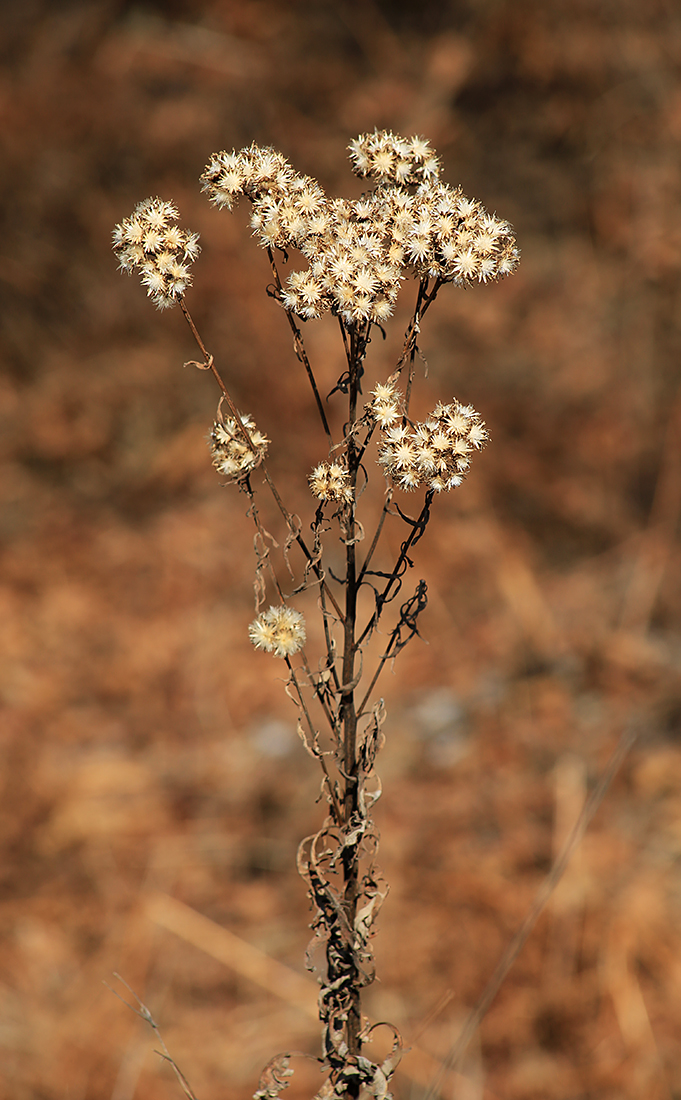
279, 630
331, 481
160, 251
231, 454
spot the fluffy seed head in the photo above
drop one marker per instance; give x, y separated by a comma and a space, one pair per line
331, 481
386, 405
358, 249
436, 453
150, 243
232, 455
279, 630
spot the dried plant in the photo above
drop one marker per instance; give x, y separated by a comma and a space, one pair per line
358, 253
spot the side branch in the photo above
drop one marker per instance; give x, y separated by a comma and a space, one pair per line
408, 620
299, 348
418, 527
209, 364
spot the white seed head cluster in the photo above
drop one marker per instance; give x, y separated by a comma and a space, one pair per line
389, 158
387, 406
331, 481
232, 455
279, 630
435, 453
358, 249
150, 242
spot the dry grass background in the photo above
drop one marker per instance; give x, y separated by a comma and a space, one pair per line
147, 752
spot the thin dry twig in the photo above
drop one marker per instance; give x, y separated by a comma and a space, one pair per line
144, 1014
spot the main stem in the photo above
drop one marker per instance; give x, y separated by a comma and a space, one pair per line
349, 713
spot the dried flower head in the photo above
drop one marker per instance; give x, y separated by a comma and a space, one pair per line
435, 453
387, 405
232, 454
257, 171
331, 481
279, 630
389, 158
162, 252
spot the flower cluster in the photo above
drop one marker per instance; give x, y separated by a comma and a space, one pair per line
435, 453
279, 630
389, 158
160, 250
331, 481
231, 453
358, 249
454, 239
257, 171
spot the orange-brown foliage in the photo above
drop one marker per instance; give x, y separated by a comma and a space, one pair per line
145, 747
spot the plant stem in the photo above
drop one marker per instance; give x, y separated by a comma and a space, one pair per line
299, 348
414, 535
377, 535
349, 720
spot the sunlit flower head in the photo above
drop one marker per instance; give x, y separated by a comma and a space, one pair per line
236, 452
331, 481
279, 630
435, 453
160, 251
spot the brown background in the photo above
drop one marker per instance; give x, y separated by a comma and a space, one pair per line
145, 747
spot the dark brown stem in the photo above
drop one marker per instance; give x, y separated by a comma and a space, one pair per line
301, 354
349, 716
344, 334
384, 596
319, 695
386, 657
262, 535
337, 809
209, 364
330, 648
424, 299
300, 540
377, 535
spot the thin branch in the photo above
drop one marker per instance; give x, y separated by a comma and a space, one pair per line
424, 299
301, 354
178, 1073
209, 364
318, 694
409, 613
418, 527
264, 557
337, 809
330, 647
144, 1014
377, 535
344, 334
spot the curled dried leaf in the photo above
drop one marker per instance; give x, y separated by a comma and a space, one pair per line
275, 1076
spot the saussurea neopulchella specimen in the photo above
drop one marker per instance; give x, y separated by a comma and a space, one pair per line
356, 255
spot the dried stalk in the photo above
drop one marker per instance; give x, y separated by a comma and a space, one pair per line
356, 253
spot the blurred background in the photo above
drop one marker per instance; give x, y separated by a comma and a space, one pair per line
150, 765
